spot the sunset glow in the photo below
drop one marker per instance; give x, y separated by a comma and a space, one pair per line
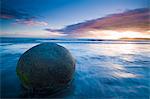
92, 49
71, 20
111, 34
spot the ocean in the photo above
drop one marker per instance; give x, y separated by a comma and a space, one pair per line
104, 68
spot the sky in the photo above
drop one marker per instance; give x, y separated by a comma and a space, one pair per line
31, 18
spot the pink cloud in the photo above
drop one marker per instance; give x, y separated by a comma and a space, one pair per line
32, 22
133, 20
6, 16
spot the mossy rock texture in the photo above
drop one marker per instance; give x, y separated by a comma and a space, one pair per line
47, 66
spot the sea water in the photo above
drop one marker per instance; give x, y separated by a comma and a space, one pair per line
104, 69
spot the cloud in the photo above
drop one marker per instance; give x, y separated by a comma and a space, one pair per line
10, 13
132, 20
38, 33
31, 22
20, 17
6, 17
52, 30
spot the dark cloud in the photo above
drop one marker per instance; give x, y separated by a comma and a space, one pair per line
52, 30
10, 13
10, 10
20, 17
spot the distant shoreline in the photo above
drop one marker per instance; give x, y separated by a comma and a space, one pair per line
134, 39
73, 41
79, 39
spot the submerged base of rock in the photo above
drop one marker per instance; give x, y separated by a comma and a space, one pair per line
47, 67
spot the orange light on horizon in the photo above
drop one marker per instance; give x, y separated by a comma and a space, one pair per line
111, 34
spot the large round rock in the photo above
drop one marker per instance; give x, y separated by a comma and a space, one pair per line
47, 66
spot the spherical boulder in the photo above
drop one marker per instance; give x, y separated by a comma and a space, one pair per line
47, 66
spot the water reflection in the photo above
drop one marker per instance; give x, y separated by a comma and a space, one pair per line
16, 48
102, 70
115, 49
123, 75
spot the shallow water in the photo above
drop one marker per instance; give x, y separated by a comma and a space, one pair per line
103, 70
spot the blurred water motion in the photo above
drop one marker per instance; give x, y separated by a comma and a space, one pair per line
102, 70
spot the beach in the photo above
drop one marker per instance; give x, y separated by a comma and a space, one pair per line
104, 69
